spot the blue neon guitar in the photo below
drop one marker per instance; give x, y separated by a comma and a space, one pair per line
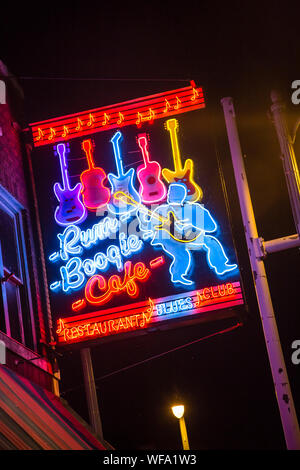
124, 182
71, 209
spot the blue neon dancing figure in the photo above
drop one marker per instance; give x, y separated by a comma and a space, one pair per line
180, 227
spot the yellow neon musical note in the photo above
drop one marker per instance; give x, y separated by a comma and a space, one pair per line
41, 134
168, 106
178, 101
195, 94
121, 118
139, 119
66, 132
151, 115
79, 125
91, 121
106, 119
52, 133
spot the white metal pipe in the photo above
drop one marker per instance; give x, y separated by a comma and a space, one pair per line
283, 243
268, 320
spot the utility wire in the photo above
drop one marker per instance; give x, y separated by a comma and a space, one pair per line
111, 79
227, 330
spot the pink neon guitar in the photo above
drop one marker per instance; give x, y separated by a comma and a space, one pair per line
152, 188
94, 193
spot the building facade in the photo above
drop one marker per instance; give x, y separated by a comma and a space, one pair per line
26, 330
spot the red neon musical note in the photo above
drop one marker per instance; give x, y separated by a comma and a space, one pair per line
91, 121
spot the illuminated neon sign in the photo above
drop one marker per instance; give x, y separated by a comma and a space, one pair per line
70, 209
132, 224
135, 112
144, 314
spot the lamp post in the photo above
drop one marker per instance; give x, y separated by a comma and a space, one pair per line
178, 411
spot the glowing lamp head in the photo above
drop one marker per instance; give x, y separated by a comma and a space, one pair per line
178, 411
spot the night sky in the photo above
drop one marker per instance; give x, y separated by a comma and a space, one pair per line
60, 53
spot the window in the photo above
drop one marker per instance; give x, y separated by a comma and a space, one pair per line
16, 315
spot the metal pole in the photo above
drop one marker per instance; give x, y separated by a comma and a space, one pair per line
288, 155
277, 364
91, 393
183, 432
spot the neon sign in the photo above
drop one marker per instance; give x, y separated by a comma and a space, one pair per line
70, 209
144, 314
181, 175
94, 192
152, 188
132, 225
134, 112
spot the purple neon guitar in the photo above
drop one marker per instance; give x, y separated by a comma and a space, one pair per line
71, 209
152, 188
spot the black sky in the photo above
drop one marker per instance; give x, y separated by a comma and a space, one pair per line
231, 49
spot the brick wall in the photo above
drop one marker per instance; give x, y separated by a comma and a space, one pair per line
11, 162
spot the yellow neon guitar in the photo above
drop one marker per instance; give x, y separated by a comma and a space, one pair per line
181, 175
180, 231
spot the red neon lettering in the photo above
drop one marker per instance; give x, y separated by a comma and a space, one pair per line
206, 296
230, 288
154, 263
115, 285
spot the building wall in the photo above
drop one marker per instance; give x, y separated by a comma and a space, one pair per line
33, 359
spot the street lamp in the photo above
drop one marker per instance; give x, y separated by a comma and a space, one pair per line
178, 411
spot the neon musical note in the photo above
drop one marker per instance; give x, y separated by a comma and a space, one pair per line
66, 132
178, 102
151, 115
91, 120
195, 94
168, 106
139, 119
106, 119
41, 134
79, 125
52, 133
121, 118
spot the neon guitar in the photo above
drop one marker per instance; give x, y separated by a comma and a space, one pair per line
123, 182
70, 209
181, 175
94, 193
152, 188
180, 231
